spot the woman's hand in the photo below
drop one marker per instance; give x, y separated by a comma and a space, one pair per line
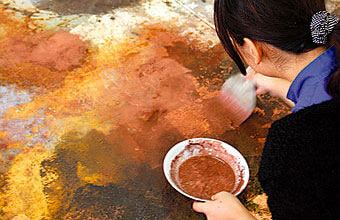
224, 206
277, 87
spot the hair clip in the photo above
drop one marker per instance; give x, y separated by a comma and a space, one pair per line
323, 23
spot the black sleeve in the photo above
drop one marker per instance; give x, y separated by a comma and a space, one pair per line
299, 167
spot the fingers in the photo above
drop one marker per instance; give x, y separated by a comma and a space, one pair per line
260, 91
224, 206
199, 206
257, 78
205, 206
263, 83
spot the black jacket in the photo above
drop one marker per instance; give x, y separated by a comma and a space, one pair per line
299, 170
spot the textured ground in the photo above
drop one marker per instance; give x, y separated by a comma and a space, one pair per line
91, 99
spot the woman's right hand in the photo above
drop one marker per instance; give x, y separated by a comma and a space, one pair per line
276, 87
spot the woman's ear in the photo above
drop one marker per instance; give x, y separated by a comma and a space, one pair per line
253, 50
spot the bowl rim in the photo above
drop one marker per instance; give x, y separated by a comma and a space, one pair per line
171, 154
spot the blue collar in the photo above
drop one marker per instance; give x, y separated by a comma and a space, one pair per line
310, 85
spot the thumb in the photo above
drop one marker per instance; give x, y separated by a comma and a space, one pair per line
219, 195
199, 206
250, 73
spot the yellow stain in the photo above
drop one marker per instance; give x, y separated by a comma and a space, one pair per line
24, 193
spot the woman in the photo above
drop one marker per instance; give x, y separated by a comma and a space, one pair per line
292, 47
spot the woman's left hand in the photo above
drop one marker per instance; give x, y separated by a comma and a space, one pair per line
224, 206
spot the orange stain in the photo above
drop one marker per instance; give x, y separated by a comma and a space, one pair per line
259, 111
261, 140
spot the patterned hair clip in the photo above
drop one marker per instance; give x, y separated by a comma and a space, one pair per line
323, 23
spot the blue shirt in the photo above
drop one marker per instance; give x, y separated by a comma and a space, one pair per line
310, 85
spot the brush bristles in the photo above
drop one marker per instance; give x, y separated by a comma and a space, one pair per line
234, 109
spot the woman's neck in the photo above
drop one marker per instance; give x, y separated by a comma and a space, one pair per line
296, 63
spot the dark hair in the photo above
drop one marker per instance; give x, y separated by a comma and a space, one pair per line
283, 24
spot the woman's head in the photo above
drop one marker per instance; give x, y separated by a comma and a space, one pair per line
277, 26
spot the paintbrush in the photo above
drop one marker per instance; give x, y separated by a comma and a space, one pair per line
238, 93
238, 98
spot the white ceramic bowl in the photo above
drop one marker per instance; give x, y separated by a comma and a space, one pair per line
224, 150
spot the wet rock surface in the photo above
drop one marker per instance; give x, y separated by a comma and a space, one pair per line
69, 7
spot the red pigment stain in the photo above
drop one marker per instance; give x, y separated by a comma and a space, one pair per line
206, 117
61, 51
40, 59
204, 176
3, 146
155, 100
159, 101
